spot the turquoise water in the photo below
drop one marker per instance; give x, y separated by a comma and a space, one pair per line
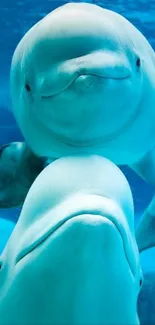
16, 17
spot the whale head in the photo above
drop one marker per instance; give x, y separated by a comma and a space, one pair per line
73, 249
77, 80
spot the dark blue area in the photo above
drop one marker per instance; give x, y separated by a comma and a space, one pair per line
142, 192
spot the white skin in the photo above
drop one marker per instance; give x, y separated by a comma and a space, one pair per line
82, 81
75, 232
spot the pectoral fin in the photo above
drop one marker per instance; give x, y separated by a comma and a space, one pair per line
19, 167
145, 232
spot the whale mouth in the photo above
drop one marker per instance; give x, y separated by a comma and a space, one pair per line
50, 96
103, 139
39, 241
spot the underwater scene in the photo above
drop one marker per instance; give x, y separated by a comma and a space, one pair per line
77, 99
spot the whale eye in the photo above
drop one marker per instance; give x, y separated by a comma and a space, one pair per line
140, 282
138, 62
27, 87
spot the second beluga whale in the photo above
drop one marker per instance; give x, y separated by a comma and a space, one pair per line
72, 257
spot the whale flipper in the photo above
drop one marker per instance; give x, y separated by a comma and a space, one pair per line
145, 232
19, 167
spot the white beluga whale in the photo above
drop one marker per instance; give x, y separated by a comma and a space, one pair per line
83, 81
72, 257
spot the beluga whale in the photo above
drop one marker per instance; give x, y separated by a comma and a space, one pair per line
72, 257
83, 82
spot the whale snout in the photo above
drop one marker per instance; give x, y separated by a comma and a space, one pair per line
82, 264
54, 79
81, 228
74, 98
